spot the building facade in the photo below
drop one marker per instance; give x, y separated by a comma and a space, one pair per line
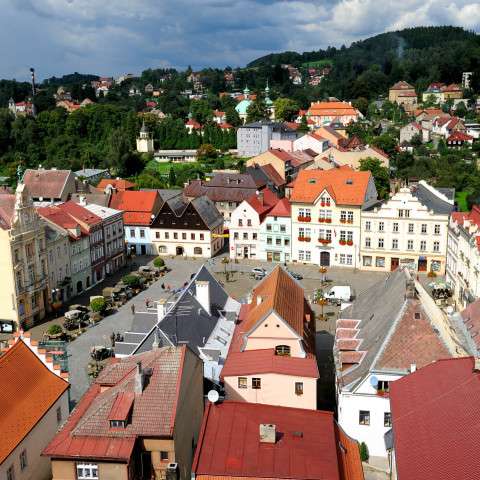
276, 234
59, 263
326, 211
25, 295
409, 229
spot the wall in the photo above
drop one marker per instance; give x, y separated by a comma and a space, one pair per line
276, 389
244, 212
365, 398
285, 249
66, 470
38, 467
137, 241
352, 158
7, 292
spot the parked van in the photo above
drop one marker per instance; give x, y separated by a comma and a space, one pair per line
338, 294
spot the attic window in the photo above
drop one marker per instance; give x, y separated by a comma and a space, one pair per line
349, 181
417, 316
312, 181
118, 423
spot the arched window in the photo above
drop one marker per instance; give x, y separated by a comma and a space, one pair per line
162, 249
197, 251
282, 350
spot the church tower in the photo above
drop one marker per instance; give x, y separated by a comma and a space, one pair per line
145, 140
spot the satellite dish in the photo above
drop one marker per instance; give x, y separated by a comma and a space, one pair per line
374, 381
213, 396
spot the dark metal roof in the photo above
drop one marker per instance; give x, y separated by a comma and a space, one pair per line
434, 202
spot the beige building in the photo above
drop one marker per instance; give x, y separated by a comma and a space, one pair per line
59, 264
139, 419
410, 229
34, 404
24, 296
403, 94
339, 157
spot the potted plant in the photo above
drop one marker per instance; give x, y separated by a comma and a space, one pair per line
300, 218
307, 219
300, 239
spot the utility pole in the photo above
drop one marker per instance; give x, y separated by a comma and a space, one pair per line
34, 91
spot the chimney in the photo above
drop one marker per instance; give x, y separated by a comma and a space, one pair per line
139, 378
413, 367
259, 299
267, 433
161, 309
82, 200
260, 197
202, 295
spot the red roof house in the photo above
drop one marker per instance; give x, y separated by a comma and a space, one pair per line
118, 184
253, 441
139, 207
435, 413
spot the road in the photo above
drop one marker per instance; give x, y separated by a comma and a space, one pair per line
79, 350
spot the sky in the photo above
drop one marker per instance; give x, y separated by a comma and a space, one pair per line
111, 37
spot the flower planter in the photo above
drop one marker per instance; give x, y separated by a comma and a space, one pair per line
306, 239
307, 219
321, 220
349, 221
301, 239
349, 243
328, 220
300, 218
343, 221
342, 242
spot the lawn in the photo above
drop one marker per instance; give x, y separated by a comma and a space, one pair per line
461, 199
318, 64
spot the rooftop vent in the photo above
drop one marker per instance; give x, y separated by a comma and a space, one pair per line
268, 433
312, 181
349, 181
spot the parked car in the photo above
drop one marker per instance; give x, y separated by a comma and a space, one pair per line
258, 273
77, 306
101, 353
338, 294
295, 275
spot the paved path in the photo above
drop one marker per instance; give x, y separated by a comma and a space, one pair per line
79, 349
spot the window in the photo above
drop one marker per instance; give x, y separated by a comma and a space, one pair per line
436, 246
383, 385
283, 229
59, 415
301, 255
395, 244
350, 217
387, 419
142, 233
256, 383
157, 234
184, 236
380, 243
163, 456
240, 222
245, 236
380, 262
175, 235
368, 242
249, 222
381, 226
132, 233
117, 423
423, 245
364, 417
202, 236
192, 236
395, 227
308, 255
278, 241
87, 471
11, 473
410, 245
410, 228
198, 250
367, 261
308, 213
167, 235
283, 350
242, 382
424, 228
343, 236
298, 388
286, 242
269, 227
343, 216
269, 240
23, 460
235, 235
437, 229
400, 213
368, 225
254, 236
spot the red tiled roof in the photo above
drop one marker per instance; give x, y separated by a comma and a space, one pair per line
225, 125
262, 203
273, 175
61, 218
7, 208
46, 183
281, 209
138, 206
436, 421
459, 137
87, 433
194, 124
332, 109
309, 184
117, 183
28, 389
401, 85
80, 214
251, 362
229, 443
121, 406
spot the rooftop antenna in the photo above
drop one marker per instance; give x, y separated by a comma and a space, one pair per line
34, 90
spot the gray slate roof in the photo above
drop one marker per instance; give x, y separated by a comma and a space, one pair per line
378, 308
208, 211
433, 202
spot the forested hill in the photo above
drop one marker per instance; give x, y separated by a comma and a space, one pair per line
419, 55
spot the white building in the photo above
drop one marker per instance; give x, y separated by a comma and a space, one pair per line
245, 224
409, 229
145, 141
189, 228
463, 256
311, 141
388, 332
276, 234
326, 208
58, 262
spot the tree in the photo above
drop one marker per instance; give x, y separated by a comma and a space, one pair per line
201, 111
364, 455
285, 109
159, 262
206, 152
379, 173
303, 128
172, 178
257, 110
98, 305
361, 103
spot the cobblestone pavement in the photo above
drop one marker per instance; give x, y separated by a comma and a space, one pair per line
79, 350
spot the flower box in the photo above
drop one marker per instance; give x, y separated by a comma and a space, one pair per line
306, 239
322, 204
349, 243
349, 221
343, 220
342, 242
321, 220
301, 239
328, 220
300, 218
382, 393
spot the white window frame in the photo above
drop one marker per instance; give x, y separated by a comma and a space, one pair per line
87, 467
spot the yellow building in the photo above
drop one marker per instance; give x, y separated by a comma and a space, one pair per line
23, 261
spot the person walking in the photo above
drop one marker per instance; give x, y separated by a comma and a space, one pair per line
133, 308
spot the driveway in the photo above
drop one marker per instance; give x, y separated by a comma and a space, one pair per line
79, 350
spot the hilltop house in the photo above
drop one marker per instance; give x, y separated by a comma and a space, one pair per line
403, 94
324, 113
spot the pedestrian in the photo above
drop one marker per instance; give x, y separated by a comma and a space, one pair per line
163, 286
112, 339
133, 308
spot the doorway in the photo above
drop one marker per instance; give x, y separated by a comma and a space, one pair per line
245, 252
325, 259
422, 265
394, 263
143, 250
179, 250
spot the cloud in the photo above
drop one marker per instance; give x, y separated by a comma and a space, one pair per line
116, 36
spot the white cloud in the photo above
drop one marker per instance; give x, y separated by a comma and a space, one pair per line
113, 36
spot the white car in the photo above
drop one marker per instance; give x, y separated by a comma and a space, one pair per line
258, 272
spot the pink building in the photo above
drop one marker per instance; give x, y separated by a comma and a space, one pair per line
271, 359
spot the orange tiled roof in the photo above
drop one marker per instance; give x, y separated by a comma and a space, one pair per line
332, 109
28, 389
117, 183
347, 186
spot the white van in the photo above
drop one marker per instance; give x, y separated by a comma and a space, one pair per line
339, 294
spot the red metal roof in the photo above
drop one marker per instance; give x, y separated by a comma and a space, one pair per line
229, 443
121, 406
80, 214
28, 389
435, 415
